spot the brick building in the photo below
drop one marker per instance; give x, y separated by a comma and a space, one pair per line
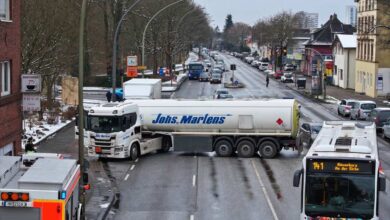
10, 68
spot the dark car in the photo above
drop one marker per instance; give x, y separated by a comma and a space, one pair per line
204, 77
379, 116
308, 133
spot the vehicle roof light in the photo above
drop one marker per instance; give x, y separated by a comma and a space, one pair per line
62, 195
4, 196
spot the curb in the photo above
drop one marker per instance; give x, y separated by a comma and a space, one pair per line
103, 215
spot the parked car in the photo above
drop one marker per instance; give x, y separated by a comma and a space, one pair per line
278, 74
386, 129
215, 78
289, 67
345, 106
361, 109
219, 92
263, 66
255, 63
308, 133
379, 116
287, 77
204, 77
249, 59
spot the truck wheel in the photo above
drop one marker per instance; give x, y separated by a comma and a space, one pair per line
166, 145
223, 148
268, 149
134, 153
245, 149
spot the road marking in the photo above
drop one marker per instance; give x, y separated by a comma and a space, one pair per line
193, 180
173, 94
136, 160
127, 177
195, 156
192, 217
132, 167
265, 192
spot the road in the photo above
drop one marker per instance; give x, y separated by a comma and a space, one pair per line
186, 186
203, 186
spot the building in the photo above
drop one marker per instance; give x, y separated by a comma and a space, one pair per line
344, 54
319, 47
351, 15
307, 20
373, 49
10, 64
296, 47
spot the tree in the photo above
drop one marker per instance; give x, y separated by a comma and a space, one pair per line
228, 23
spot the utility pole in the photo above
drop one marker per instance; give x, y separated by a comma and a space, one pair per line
81, 107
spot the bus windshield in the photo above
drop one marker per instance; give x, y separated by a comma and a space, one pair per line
340, 195
104, 124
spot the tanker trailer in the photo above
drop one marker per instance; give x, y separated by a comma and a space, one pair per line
245, 127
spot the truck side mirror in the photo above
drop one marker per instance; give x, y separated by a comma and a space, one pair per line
297, 177
382, 183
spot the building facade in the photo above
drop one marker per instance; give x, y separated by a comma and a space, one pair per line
344, 54
373, 49
351, 15
10, 65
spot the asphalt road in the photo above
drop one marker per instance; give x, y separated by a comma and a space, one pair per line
182, 186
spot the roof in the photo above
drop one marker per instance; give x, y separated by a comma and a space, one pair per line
142, 81
347, 40
346, 139
48, 174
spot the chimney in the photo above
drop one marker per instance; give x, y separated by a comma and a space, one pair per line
334, 16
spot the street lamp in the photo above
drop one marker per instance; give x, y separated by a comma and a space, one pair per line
81, 107
114, 49
146, 27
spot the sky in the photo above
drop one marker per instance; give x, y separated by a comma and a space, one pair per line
250, 11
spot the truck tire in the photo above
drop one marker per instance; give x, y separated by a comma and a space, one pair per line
223, 148
166, 144
268, 149
134, 152
245, 149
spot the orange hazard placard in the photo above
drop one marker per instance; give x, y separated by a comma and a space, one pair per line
132, 71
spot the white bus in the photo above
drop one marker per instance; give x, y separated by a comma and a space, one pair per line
341, 174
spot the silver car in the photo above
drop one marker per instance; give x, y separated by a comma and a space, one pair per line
386, 129
361, 110
345, 106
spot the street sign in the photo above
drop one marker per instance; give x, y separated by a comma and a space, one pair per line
142, 67
132, 71
31, 102
132, 61
31, 83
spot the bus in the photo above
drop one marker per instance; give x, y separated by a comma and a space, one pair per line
341, 173
195, 69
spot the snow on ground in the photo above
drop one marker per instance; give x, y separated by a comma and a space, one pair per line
40, 130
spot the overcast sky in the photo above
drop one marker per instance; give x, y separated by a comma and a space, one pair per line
249, 11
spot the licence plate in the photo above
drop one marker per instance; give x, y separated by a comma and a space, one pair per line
16, 204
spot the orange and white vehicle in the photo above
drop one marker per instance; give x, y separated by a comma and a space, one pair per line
43, 189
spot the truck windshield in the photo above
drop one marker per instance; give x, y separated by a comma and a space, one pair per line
340, 195
104, 124
196, 67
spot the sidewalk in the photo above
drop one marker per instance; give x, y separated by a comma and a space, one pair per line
100, 197
338, 93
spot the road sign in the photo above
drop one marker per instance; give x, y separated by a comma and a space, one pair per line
132, 71
31, 102
142, 67
31, 83
132, 61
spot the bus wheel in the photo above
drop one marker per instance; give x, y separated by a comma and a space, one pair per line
268, 149
245, 149
134, 153
223, 148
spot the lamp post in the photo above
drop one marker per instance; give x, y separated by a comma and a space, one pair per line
146, 27
81, 107
114, 49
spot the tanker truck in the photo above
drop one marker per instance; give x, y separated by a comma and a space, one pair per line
137, 127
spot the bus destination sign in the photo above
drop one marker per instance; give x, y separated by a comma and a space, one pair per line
340, 166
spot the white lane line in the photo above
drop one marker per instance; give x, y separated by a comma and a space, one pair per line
136, 160
127, 177
193, 180
265, 192
132, 167
192, 217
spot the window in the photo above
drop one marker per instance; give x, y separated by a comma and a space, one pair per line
341, 74
5, 10
5, 72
